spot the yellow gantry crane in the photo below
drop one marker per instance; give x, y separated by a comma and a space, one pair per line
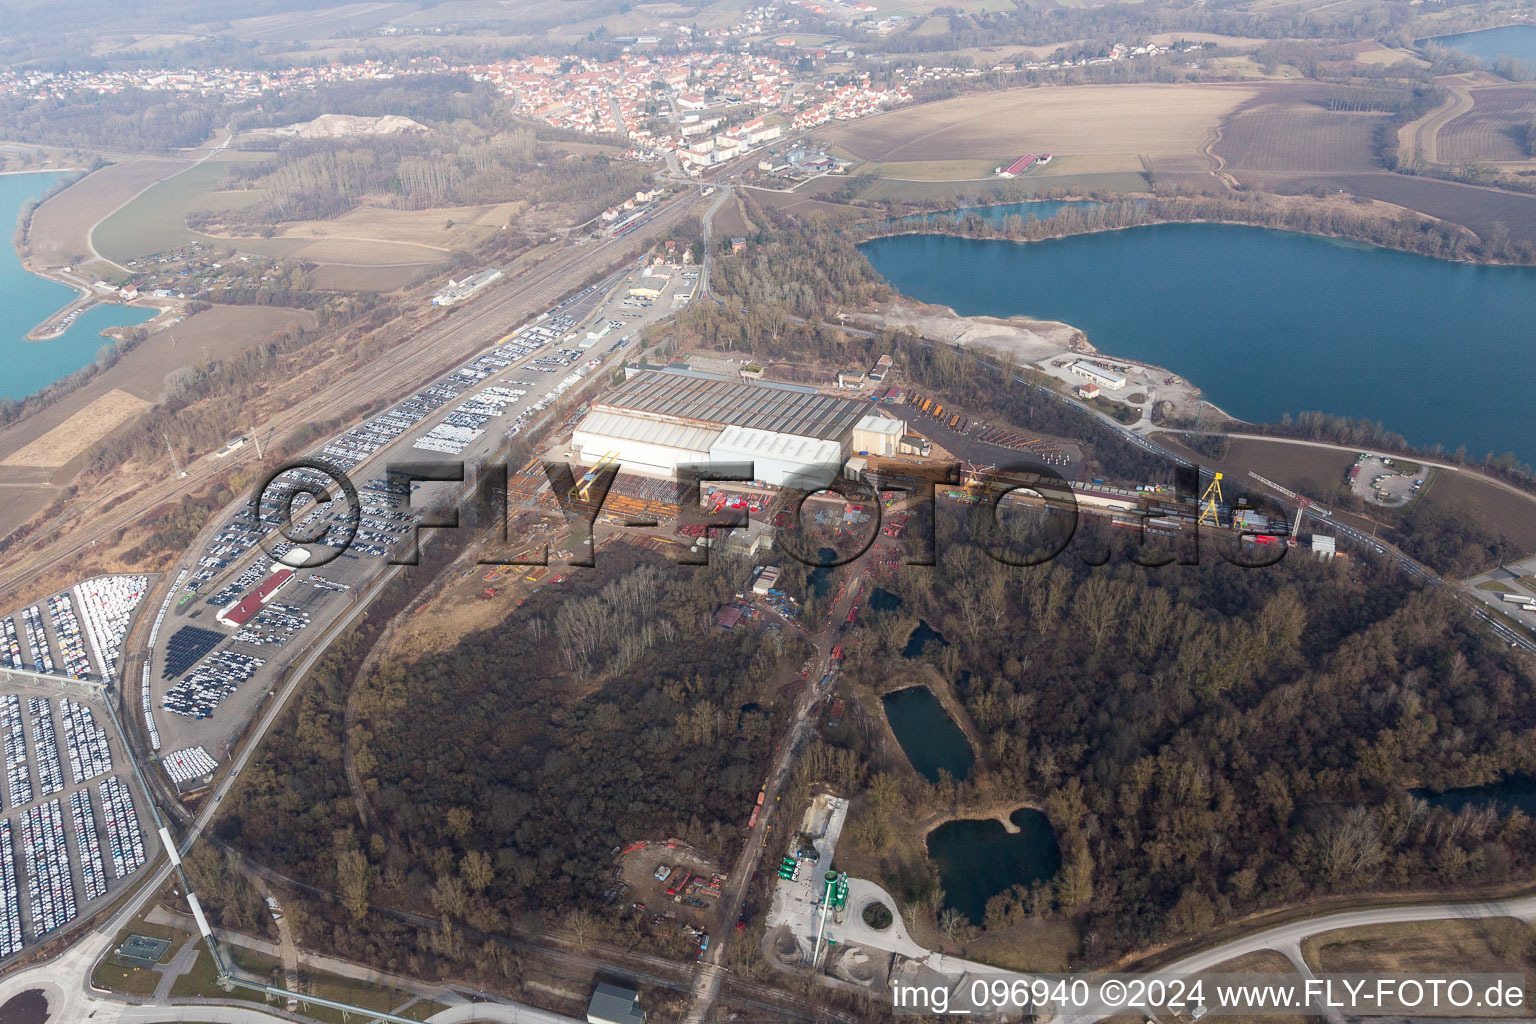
584, 486
1209, 504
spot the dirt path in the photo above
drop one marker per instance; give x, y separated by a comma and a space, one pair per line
90, 232
1420, 139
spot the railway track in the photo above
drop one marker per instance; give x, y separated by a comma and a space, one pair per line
446, 343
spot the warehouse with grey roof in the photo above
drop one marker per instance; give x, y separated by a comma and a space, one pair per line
660, 419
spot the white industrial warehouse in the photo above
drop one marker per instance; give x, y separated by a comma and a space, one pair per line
660, 419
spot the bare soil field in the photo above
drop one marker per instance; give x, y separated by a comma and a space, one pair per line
1284, 132
23, 496
60, 232
79, 432
1491, 131
1315, 472
220, 331
1156, 120
316, 24
1493, 508
1472, 206
731, 220
803, 205
444, 228
1491, 945
335, 277
369, 252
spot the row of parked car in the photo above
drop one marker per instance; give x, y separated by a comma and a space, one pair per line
124, 837
70, 635
42, 655
50, 889
89, 755
206, 686
10, 896
18, 774
93, 879
106, 606
50, 774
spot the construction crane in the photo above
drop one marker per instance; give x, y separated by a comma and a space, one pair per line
583, 486
1301, 508
1209, 504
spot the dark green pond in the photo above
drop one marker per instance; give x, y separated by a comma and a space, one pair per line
931, 738
977, 859
1506, 794
821, 577
921, 637
882, 600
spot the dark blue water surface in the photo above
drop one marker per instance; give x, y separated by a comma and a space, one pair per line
1268, 322
1517, 41
929, 736
29, 300
977, 859
1506, 794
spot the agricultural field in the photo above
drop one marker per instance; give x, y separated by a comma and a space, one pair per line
731, 221
1282, 133
365, 237
323, 23
1159, 121
1476, 208
80, 431
1489, 506
355, 278
140, 43
1305, 469
156, 219
137, 380
1491, 945
61, 227
932, 170
443, 229
1009, 189
1493, 130
1387, 57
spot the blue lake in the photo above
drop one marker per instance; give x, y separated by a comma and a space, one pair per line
28, 300
1268, 322
1517, 41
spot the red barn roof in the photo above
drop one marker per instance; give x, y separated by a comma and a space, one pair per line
239, 614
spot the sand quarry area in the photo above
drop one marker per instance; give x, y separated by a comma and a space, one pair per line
1026, 341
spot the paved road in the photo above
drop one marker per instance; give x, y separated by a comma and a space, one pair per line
1287, 938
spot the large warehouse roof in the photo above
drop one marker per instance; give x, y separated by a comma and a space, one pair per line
650, 431
709, 401
765, 444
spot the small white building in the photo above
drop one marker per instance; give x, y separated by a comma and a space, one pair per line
1103, 378
611, 1004
1323, 547
878, 435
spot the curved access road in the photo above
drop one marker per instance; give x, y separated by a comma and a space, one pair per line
1287, 938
